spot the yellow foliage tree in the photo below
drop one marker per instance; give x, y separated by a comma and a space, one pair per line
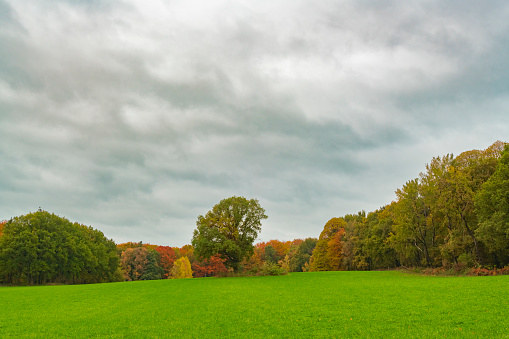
181, 269
327, 254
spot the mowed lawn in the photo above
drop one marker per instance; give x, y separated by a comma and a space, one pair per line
300, 305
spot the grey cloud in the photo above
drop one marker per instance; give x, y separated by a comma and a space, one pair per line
137, 117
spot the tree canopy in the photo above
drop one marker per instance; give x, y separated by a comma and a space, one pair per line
40, 248
229, 230
455, 214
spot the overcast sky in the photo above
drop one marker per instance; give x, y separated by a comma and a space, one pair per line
135, 117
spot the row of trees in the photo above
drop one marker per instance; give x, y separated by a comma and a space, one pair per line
140, 261
40, 248
454, 213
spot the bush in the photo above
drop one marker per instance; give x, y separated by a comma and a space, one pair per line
271, 268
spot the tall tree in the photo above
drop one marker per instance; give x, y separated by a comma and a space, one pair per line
328, 251
229, 230
492, 207
412, 235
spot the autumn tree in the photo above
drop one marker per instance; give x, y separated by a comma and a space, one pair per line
181, 269
229, 230
327, 253
167, 257
139, 263
2, 224
210, 267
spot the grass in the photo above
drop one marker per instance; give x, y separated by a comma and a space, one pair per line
322, 304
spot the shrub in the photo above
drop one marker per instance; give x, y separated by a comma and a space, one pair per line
270, 268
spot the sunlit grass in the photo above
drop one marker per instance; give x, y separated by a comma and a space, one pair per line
324, 304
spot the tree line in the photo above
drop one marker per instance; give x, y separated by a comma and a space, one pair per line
455, 214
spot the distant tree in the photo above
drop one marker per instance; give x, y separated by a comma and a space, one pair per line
167, 257
133, 262
302, 255
181, 269
270, 254
209, 267
327, 251
229, 230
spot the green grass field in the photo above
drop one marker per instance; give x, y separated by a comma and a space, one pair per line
322, 304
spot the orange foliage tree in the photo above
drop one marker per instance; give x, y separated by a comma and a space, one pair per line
139, 264
2, 224
327, 253
167, 257
209, 267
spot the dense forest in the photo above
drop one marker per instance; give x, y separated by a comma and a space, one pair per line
455, 214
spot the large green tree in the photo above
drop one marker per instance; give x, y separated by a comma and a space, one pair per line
229, 230
40, 248
492, 206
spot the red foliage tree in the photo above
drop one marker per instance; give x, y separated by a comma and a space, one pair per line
209, 267
2, 224
167, 257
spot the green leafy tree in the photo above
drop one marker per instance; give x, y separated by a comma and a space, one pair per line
40, 248
302, 254
229, 230
270, 254
412, 234
492, 207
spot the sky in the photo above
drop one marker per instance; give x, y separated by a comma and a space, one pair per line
136, 117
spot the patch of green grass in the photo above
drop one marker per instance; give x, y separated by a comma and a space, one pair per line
322, 304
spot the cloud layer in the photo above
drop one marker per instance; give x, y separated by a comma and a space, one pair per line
136, 117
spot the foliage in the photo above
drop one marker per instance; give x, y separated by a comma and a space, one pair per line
327, 255
454, 215
40, 248
302, 254
139, 263
229, 230
2, 224
492, 207
167, 257
271, 268
181, 269
213, 266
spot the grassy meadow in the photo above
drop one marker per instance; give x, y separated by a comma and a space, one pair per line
321, 304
